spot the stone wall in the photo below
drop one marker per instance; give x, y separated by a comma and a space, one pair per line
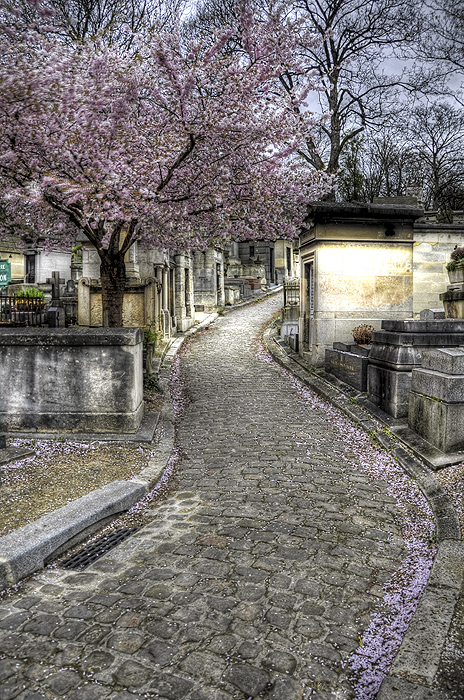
141, 304
433, 244
71, 380
47, 263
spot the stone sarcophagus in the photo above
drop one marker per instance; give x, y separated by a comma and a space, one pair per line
85, 380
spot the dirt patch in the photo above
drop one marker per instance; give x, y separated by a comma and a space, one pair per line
63, 470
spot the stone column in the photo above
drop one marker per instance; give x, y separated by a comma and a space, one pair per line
132, 268
166, 318
83, 302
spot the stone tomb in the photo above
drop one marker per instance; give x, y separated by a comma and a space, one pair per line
397, 350
71, 380
436, 402
349, 363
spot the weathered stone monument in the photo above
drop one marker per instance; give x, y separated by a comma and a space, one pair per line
356, 268
397, 350
71, 380
56, 314
453, 298
208, 280
436, 401
349, 362
140, 306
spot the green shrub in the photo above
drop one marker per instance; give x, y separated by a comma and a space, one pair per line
457, 256
151, 384
30, 293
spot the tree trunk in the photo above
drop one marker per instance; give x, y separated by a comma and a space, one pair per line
113, 279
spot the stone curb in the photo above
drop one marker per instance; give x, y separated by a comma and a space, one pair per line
418, 657
28, 549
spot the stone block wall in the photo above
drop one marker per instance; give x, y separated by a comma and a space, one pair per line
433, 244
436, 401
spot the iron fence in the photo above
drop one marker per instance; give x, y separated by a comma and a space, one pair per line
22, 311
292, 293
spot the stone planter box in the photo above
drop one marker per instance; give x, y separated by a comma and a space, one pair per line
456, 276
71, 380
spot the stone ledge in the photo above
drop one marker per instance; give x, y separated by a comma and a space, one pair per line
425, 451
145, 433
11, 454
401, 689
26, 550
419, 655
70, 336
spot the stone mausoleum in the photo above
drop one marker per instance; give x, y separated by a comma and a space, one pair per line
356, 267
365, 263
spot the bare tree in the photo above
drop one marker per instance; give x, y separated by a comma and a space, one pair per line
424, 146
443, 38
355, 39
345, 43
435, 133
380, 164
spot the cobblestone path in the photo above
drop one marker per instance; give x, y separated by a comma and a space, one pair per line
256, 579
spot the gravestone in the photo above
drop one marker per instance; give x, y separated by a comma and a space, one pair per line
56, 316
348, 362
69, 302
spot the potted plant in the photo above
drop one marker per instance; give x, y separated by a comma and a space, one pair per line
362, 335
455, 266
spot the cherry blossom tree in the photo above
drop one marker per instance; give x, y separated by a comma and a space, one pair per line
172, 144
114, 21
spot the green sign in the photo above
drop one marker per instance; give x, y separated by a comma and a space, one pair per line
5, 272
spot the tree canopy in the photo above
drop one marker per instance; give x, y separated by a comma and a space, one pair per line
171, 143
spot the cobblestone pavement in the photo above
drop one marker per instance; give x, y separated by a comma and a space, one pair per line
257, 577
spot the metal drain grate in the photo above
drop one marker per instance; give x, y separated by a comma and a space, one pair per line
87, 555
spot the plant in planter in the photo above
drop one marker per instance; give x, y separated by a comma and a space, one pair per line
455, 266
31, 299
363, 334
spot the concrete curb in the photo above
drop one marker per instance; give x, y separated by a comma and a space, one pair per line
28, 549
416, 663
